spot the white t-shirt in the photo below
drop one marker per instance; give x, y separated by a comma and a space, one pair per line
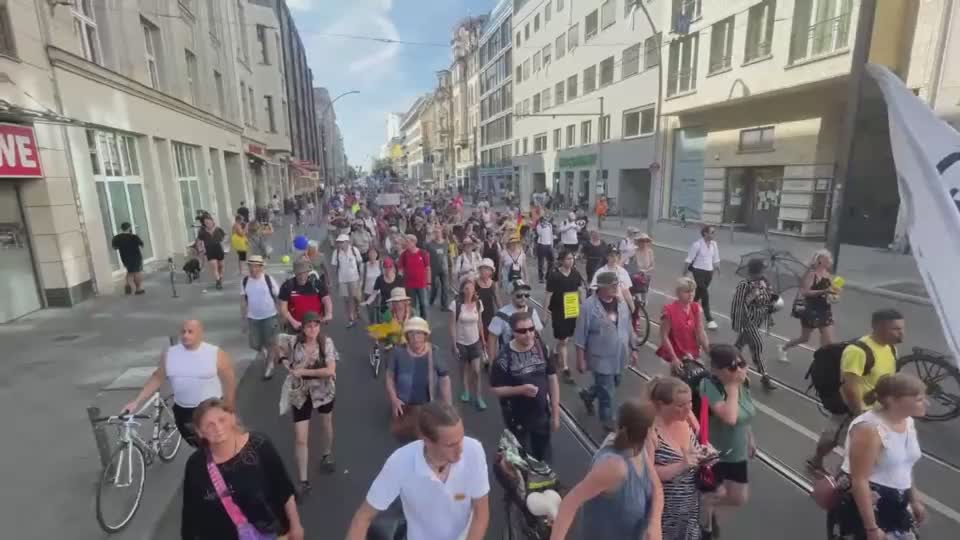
545, 234
622, 276
501, 328
434, 510
350, 259
260, 303
568, 232
275, 205
467, 331
373, 272
703, 256
467, 262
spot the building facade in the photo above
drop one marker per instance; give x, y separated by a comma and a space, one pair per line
495, 93
465, 102
302, 113
332, 160
416, 147
584, 110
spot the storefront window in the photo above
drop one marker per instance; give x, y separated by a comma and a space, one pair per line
18, 283
686, 186
191, 196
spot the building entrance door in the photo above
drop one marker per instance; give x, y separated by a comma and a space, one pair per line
752, 197
18, 282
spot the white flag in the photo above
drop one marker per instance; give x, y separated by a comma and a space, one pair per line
927, 154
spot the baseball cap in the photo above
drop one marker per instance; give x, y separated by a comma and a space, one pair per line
343, 238
521, 285
388, 262
311, 316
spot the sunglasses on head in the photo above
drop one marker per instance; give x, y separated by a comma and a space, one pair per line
742, 364
525, 330
522, 295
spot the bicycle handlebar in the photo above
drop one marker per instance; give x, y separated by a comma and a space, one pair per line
124, 416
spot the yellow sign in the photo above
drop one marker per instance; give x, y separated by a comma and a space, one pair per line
571, 305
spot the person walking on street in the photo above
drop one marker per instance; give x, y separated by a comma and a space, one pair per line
360, 237
750, 310
244, 212
863, 363
196, 370
466, 323
628, 245
731, 414
813, 305
568, 233
499, 331
372, 270
348, 261
881, 450
490, 249
563, 284
301, 294
513, 262
276, 209
468, 262
414, 264
257, 239
441, 479
311, 359
258, 308
604, 338
594, 254
621, 495
544, 233
235, 486
439, 272
415, 376
682, 336
490, 298
703, 261
524, 377
210, 243
129, 246
239, 242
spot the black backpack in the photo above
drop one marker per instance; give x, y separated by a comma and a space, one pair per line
825, 376
269, 281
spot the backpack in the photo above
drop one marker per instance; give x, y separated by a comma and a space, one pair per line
825, 377
269, 286
356, 255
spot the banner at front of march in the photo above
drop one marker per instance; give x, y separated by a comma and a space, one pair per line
927, 155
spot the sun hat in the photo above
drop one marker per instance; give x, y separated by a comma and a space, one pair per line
398, 294
605, 279
302, 267
416, 324
255, 259
343, 238
487, 262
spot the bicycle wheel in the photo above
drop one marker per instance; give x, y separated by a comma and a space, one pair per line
120, 488
641, 324
942, 380
169, 439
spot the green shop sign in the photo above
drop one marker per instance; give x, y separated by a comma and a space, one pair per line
586, 160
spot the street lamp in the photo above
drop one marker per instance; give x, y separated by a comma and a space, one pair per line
323, 132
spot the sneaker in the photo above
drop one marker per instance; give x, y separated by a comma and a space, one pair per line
139, 292
219, 284
568, 377
465, 397
268, 372
481, 404
782, 354
587, 401
712, 325
328, 464
767, 383
351, 324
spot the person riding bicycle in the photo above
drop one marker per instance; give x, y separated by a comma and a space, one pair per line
196, 371
390, 332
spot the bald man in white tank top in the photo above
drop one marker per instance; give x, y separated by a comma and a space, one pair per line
197, 371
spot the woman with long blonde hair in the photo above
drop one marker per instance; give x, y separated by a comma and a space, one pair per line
812, 306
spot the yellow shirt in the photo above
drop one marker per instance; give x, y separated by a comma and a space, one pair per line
854, 358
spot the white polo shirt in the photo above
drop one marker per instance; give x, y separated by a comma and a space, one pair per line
434, 510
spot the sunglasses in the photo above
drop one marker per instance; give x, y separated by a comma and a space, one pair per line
526, 330
738, 365
522, 295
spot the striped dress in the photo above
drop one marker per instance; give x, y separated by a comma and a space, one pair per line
681, 498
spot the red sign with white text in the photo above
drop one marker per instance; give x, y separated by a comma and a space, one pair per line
19, 157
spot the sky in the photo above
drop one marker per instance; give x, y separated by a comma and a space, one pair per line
389, 76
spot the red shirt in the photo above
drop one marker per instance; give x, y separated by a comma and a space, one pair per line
683, 330
414, 266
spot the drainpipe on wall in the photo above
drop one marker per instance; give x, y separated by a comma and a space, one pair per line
74, 184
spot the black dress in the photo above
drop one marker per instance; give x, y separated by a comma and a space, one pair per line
258, 483
212, 243
559, 284
817, 313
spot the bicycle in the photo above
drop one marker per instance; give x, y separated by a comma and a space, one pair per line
519, 475
640, 284
126, 471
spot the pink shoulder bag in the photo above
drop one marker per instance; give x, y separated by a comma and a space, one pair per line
245, 529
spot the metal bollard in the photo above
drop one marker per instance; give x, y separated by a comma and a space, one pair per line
173, 277
99, 435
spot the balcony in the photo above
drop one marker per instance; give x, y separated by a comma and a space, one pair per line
820, 39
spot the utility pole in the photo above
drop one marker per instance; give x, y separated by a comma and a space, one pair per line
658, 145
600, 156
861, 55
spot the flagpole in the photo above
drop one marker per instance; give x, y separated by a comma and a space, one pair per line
860, 57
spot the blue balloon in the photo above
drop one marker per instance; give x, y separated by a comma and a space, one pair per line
301, 242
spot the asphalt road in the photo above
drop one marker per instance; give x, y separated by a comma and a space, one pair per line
778, 507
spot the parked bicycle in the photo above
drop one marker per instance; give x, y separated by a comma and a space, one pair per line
121, 483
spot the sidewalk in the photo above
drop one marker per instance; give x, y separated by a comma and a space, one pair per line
59, 362
871, 270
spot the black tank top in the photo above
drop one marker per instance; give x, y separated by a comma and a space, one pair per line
488, 296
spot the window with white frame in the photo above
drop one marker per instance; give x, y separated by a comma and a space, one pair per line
547, 9
682, 67
591, 25
526, 35
271, 117
638, 122
115, 163
151, 43
526, 69
651, 51
192, 196
284, 119
605, 127
606, 72
561, 45
213, 17
546, 54
760, 20
572, 87
559, 5
556, 139
685, 11
608, 13
545, 96
536, 61
536, 103
540, 143
558, 94
221, 93
85, 30
586, 132
820, 27
525, 146
8, 46
757, 139
526, 106
262, 42
571, 135
589, 79
573, 37
631, 61
721, 45
519, 75
536, 22
193, 77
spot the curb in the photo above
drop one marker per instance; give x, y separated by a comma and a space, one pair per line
868, 289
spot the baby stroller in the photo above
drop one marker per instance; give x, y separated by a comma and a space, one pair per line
192, 267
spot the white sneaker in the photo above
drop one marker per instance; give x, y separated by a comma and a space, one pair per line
268, 372
712, 325
782, 354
